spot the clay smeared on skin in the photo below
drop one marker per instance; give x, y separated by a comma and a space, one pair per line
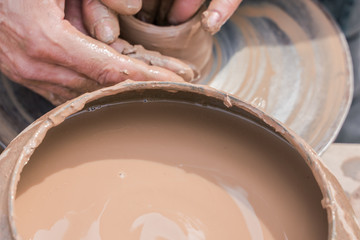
154, 58
188, 42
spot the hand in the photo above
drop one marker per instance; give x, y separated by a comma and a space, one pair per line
43, 51
218, 12
161, 12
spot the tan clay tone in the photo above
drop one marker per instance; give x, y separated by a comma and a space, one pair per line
166, 170
154, 58
188, 42
341, 219
268, 56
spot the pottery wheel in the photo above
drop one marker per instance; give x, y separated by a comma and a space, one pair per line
287, 58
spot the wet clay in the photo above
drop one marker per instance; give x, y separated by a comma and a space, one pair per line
188, 42
166, 170
273, 56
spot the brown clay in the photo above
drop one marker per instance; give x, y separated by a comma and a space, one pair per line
188, 41
166, 169
310, 175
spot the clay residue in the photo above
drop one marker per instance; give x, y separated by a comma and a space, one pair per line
341, 218
355, 202
155, 58
292, 64
188, 42
351, 168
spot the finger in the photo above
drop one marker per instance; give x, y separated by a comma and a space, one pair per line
61, 3
100, 21
154, 58
183, 10
218, 12
57, 84
124, 7
164, 8
56, 95
99, 61
64, 77
73, 13
148, 11
32, 71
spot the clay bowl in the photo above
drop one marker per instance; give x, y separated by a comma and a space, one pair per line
188, 41
341, 220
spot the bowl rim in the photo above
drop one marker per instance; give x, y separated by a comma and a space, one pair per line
342, 223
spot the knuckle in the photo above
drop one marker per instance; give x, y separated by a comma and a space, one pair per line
42, 43
96, 9
94, 5
109, 75
35, 50
39, 47
25, 71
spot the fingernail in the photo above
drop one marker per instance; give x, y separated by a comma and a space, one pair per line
134, 4
211, 21
104, 33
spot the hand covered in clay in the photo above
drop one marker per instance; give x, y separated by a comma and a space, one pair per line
163, 12
218, 12
43, 51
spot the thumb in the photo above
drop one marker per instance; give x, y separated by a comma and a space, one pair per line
218, 12
124, 7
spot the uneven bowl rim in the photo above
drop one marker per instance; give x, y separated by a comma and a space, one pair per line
341, 218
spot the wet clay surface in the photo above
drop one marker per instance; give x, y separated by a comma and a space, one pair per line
344, 161
188, 42
303, 84
268, 54
155, 171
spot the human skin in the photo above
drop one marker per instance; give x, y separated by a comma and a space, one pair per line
159, 12
54, 56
